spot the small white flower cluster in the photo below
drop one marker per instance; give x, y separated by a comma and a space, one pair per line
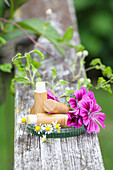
82, 53
48, 128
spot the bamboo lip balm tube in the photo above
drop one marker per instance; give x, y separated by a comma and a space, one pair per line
40, 95
53, 106
44, 118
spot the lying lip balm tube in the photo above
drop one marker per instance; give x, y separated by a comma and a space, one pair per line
53, 106
44, 118
40, 95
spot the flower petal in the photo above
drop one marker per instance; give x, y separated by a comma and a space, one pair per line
79, 93
50, 95
99, 117
95, 107
93, 126
85, 105
73, 103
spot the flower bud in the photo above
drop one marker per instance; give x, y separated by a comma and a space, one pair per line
81, 80
89, 80
85, 53
79, 54
49, 12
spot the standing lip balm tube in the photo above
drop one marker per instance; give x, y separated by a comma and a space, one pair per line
40, 95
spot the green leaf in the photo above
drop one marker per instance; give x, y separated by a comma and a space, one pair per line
62, 82
70, 45
79, 48
107, 72
17, 63
7, 67
12, 87
22, 80
107, 87
54, 75
68, 35
50, 33
29, 60
2, 41
95, 61
39, 53
21, 72
34, 70
101, 81
67, 92
36, 64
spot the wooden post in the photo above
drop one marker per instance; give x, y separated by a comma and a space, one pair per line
75, 153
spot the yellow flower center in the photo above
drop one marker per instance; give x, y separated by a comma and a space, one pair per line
37, 128
58, 130
57, 126
47, 128
23, 120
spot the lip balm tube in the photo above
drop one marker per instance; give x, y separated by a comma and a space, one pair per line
40, 95
53, 106
44, 118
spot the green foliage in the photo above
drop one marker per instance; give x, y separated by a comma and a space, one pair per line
68, 35
95, 28
31, 66
102, 83
107, 72
79, 48
54, 75
37, 26
2, 41
7, 67
95, 62
39, 53
12, 87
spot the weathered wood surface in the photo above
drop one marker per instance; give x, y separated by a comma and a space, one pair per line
75, 153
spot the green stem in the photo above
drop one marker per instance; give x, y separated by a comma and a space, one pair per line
49, 141
90, 68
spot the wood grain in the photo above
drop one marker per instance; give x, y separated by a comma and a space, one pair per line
75, 153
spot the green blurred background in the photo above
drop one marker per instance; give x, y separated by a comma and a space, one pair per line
95, 23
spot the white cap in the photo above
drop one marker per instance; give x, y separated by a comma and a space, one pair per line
40, 87
32, 119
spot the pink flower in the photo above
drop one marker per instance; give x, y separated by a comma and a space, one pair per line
50, 95
78, 96
74, 119
90, 112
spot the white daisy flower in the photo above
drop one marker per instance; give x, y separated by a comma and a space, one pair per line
22, 119
48, 128
39, 128
56, 126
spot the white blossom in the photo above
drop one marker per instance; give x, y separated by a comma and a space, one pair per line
49, 12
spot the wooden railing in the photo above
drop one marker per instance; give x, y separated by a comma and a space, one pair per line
74, 153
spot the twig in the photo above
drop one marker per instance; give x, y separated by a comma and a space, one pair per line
18, 26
